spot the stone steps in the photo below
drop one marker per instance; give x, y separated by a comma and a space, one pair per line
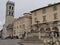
34, 38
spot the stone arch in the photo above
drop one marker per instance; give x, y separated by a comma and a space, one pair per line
56, 31
48, 29
42, 30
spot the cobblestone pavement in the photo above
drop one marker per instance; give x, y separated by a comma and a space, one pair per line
9, 42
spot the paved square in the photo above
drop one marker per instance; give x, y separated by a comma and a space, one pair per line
9, 42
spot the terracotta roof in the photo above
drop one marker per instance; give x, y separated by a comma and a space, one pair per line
45, 7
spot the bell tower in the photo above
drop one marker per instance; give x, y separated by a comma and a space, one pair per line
9, 12
9, 18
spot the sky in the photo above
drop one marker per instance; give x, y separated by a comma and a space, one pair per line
22, 6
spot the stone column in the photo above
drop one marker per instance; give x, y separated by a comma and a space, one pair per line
58, 26
39, 35
26, 35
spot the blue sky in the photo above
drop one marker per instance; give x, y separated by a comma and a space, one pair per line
22, 6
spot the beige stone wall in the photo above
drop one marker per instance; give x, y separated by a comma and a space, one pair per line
49, 14
9, 20
23, 23
16, 28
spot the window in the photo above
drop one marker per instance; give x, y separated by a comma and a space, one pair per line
24, 26
30, 26
35, 13
55, 15
17, 26
9, 13
44, 18
54, 8
14, 27
35, 19
12, 13
20, 26
12, 8
9, 7
44, 10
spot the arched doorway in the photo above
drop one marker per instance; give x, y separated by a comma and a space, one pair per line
42, 30
56, 31
48, 31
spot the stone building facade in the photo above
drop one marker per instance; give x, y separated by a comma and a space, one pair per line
39, 23
45, 26
22, 24
48, 18
45, 20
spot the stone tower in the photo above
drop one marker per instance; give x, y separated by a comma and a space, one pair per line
9, 12
9, 19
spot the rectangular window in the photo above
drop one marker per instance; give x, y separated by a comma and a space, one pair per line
23, 26
44, 18
20, 26
54, 8
9, 13
9, 7
17, 26
35, 19
35, 13
44, 10
55, 15
12, 13
12, 8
